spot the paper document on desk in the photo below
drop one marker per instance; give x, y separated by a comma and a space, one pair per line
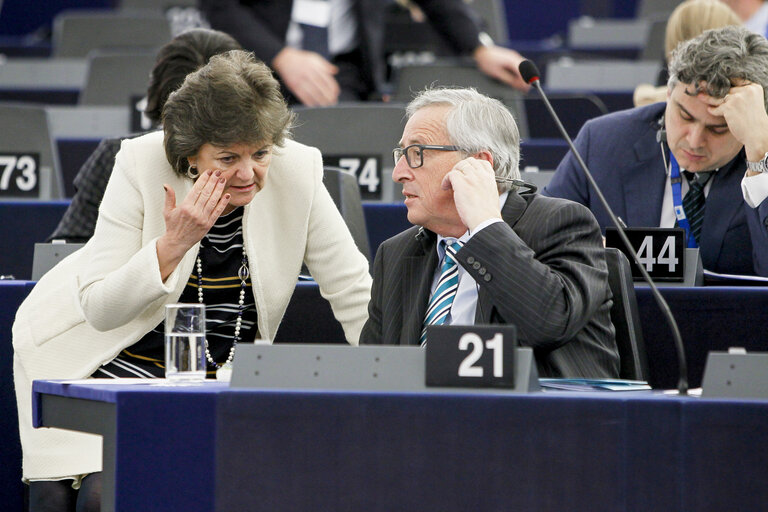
715, 278
594, 384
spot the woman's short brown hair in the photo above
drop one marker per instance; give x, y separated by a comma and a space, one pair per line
233, 99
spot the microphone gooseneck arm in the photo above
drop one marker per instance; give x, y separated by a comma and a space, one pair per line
531, 75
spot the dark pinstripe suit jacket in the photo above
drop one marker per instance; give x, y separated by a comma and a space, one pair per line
543, 269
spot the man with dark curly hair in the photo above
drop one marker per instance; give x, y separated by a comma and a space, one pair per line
684, 162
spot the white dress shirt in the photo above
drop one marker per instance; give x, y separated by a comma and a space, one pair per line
755, 189
668, 218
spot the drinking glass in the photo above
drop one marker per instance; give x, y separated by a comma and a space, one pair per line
185, 343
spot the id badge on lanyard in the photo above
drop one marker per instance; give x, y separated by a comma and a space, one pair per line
676, 181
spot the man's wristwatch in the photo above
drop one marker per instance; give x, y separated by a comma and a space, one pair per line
761, 166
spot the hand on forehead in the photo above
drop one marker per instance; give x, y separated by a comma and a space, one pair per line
702, 95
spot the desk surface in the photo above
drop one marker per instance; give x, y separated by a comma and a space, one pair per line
318, 450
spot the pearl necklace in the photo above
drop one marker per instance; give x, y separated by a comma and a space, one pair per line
243, 274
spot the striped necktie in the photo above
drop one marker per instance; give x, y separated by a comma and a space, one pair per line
440, 303
694, 202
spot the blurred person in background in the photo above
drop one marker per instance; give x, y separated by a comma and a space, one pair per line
356, 68
754, 14
688, 20
692, 161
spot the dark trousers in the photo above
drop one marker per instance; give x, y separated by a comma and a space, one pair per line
59, 496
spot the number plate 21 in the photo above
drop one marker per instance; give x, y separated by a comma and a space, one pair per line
471, 355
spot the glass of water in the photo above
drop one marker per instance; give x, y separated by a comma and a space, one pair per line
185, 343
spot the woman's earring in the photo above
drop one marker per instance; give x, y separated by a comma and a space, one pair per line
192, 172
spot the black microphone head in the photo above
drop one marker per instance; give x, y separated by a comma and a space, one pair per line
529, 71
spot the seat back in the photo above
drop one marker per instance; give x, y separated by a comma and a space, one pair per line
75, 33
48, 255
600, 75
495, 18
655, 9
412, 78
625, 317
116, 78
25, 135
573, 109
358, 137
345, 193
587, 33
654, 45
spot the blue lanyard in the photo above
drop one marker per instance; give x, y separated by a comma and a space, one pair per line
677, 198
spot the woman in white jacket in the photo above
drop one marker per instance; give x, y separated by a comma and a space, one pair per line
219, 208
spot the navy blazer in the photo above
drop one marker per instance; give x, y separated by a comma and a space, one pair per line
543, 270
626, 161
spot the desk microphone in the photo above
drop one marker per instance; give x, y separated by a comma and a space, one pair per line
530, 74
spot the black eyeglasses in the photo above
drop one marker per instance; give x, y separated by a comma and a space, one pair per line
414, 154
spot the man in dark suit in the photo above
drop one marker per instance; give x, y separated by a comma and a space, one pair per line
356, 68
534, 262
714, 120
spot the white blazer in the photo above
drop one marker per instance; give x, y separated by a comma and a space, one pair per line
106, 296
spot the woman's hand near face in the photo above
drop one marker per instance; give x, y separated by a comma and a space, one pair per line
187, 223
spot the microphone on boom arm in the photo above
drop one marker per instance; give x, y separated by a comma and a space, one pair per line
530, 74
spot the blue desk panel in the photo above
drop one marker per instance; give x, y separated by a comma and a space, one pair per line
385, 451
710, 318
545, 154
384, 220
12, 293
22, 224
320, 450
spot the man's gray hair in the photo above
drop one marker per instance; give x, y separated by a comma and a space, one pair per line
477, 123
718, 57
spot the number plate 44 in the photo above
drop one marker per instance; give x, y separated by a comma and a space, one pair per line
660, 250
471, 355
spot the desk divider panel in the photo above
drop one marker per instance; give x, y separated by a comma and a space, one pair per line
364, 368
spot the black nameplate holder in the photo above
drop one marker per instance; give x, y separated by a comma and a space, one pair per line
20, 174
478, 356
366, 168
660, 250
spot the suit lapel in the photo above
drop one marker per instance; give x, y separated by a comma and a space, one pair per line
418, 271
723, 195
643, 182
513, 209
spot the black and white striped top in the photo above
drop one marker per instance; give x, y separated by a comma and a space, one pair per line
221, 252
